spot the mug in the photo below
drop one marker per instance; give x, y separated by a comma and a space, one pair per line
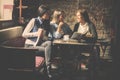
66, 37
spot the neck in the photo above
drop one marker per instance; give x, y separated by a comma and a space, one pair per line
82, 23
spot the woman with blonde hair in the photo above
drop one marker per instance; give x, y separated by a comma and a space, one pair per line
58, 25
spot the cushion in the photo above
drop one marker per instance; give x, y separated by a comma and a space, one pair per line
39, 61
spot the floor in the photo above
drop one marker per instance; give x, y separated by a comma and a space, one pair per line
104, 72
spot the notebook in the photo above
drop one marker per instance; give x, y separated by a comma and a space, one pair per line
76, 36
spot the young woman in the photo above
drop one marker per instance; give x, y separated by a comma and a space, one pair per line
85, 26
33, 30
58, 25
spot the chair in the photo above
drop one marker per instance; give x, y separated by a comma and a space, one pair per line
21, 62
104, 43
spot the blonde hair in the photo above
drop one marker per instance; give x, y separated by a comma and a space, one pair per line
56, 14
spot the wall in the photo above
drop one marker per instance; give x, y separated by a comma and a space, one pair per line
99, 11
69, 6
0, 8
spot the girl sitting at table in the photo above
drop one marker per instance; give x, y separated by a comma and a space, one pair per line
87, 28
84, 26
58, 25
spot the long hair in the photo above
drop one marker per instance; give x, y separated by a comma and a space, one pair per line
84, 14
56, 15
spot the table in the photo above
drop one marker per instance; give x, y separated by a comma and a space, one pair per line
73, 42
76, 48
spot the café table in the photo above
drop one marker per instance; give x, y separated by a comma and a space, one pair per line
68, 47
74, 44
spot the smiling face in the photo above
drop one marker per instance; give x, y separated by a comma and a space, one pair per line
82, 16
79, 17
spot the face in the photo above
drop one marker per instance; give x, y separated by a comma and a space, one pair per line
79, 17
61, 18
46, 16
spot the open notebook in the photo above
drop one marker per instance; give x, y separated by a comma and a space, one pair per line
76, 36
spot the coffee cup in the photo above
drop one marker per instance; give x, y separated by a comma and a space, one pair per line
66, 37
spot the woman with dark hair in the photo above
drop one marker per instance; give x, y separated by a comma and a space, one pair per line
33, 31
85, 26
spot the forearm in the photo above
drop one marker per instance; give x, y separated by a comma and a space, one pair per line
28, 35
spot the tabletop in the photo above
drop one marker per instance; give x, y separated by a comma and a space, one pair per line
72, 42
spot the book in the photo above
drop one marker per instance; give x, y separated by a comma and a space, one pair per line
76, 36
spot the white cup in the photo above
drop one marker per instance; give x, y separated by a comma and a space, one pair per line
66, 37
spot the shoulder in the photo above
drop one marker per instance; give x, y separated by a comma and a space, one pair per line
53, 24
91, 24
77, 24
66, 25
32, 20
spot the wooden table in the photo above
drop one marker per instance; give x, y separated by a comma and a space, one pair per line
73, 42
74, 47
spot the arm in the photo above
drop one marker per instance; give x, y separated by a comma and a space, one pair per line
76, 27
93, 31
27, 33
67, 30
92, 34
59, 32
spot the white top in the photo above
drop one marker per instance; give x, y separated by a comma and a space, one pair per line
83, 28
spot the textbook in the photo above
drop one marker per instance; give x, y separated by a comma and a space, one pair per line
76, 36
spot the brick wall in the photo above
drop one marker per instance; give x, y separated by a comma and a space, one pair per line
99, 11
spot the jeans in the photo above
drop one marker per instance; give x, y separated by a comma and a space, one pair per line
44, 47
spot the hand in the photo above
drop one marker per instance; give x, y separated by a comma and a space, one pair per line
59, 29
60, 24
89, 35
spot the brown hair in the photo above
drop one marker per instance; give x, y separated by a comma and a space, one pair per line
84, 14
42, 9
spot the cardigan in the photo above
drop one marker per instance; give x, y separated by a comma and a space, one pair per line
30, 32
